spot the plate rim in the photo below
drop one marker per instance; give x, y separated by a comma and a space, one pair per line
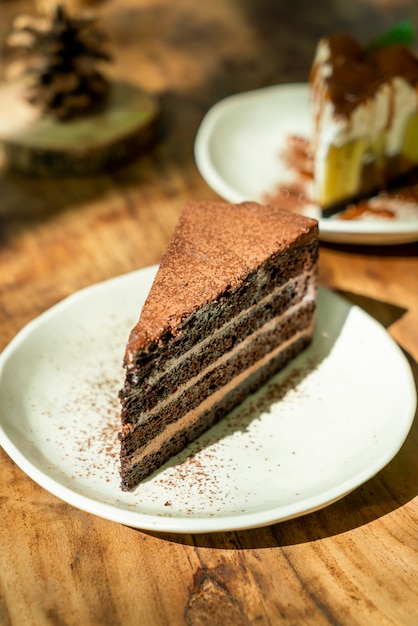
186, 523
359, 231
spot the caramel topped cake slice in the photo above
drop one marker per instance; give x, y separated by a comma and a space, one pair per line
232, 303
365, 112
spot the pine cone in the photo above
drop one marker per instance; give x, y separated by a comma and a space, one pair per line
58, 55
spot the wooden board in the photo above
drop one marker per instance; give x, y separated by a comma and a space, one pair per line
43, 146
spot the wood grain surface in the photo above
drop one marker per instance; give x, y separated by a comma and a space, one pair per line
354, 563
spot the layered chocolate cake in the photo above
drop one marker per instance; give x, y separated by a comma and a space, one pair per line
365, 111
232, 303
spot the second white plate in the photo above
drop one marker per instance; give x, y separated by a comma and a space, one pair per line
237, 151
330, 421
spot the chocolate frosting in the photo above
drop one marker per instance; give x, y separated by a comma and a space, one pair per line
396, 60
214, 246
357, 74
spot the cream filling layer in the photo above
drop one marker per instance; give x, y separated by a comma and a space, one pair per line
297, 282
191, 418
223, 358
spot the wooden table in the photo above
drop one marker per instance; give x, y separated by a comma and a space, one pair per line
354, 563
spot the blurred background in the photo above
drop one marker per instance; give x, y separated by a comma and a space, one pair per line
194, 58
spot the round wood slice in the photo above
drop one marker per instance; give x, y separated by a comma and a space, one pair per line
43, 146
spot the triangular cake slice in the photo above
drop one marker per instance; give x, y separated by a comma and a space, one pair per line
232, 303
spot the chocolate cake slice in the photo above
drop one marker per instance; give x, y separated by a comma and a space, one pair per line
365, 113
232, 303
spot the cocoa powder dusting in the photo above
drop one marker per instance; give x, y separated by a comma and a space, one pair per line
298, 156
290, 197
363, 209
98, 449
295, 196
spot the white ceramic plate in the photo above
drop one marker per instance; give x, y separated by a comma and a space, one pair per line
237, 151
330, 421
